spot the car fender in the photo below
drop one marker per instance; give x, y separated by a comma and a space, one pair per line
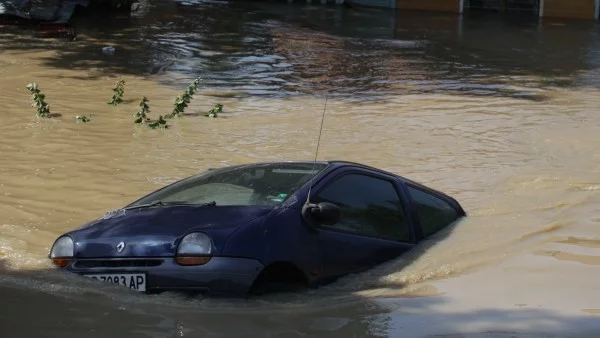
279, 236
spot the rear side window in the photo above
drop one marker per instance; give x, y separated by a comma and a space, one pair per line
370, 207
433, 212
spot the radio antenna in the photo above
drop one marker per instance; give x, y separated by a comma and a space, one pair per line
317, 151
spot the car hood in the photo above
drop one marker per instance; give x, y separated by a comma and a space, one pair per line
155, 232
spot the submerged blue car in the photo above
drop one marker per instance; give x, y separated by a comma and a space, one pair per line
245, 229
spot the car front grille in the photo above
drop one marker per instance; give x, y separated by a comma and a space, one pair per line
117, 263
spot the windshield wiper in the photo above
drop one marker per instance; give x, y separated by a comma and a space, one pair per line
175, 203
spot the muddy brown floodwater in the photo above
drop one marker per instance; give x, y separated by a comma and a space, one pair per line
502, 114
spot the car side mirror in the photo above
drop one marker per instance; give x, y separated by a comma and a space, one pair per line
324, 213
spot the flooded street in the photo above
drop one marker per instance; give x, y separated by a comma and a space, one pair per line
501, 114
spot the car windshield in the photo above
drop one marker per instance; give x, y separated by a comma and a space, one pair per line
255, 184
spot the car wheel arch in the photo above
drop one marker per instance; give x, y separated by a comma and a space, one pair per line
279, 275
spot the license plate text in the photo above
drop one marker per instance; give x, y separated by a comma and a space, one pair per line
135, 281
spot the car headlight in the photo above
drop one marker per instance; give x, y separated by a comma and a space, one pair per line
62, 251
194, 249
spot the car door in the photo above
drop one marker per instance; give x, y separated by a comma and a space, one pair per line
374, 228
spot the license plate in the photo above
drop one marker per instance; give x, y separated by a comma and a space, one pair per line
135, 281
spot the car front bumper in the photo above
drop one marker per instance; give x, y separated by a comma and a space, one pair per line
221, 275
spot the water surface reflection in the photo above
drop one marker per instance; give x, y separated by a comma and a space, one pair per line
278, 49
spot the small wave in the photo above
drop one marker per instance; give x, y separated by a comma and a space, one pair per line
399, 43
592, 187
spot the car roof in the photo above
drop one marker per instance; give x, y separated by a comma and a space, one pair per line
334, 164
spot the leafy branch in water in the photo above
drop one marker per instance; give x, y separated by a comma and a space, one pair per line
43, 109
160, 123
218, 108
118, 91
142, 116
182, 101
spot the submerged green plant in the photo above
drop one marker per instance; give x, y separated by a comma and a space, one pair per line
182, 101
160, 123
118, 91
83, 118
218, 108
141, 116
43, 109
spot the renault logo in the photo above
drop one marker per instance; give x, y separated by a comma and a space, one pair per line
120, 247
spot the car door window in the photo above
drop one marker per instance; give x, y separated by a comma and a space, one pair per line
370, 207
433, 212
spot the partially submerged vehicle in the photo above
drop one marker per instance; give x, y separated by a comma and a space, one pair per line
243, 229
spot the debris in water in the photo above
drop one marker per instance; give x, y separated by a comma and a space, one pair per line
83, 118
108, 50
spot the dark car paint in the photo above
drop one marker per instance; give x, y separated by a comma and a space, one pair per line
220, 276
361, 252
281, 236
290, 240
257, 236
156, 232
